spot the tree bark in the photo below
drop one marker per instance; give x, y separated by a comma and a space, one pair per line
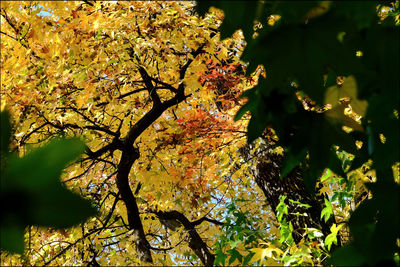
142, 245
195, 241
267, 176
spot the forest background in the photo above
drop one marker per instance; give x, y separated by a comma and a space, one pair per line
149, 91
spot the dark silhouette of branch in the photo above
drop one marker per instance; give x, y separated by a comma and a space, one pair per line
195, 241
130, 154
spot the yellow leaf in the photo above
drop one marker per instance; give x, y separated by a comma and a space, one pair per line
348, 89
271, 249
261, 253
339, 98
324, 190
335, 229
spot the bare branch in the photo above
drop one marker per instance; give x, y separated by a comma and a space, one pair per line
150, 87
6, 34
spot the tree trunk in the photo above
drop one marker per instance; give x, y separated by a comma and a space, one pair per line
266, 173
142, 245
195, 241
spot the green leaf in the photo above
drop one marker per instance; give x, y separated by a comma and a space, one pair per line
32, 187
348, 89
292, 159
362, 13
300, 204
234, 243
251, 105
238, 15
255, 128
43, 166
282, 208
234, 254
310, 177
286, 230
348, 255
314, 233
380, 113
220, 259
12, 237
313, 47
374, 224
247, 258
98, 34
331, 79
327, 211
332, 237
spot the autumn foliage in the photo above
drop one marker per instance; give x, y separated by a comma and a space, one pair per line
126, 78
152, 90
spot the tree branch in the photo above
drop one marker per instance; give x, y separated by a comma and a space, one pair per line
131, 93
150, 87
114, 145
6, 34
130, 154
196, 243
199, 221
128, 157
166, 85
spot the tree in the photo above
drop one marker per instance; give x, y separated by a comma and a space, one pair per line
306, 47
115, 74
151, 88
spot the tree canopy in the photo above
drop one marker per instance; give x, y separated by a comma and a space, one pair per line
175, 168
